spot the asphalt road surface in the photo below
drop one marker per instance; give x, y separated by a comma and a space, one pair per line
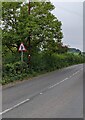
57, 94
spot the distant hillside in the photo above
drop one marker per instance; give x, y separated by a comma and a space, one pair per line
74, 50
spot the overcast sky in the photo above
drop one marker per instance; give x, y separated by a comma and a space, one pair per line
71, 16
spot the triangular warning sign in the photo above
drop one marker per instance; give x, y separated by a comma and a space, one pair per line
22, 47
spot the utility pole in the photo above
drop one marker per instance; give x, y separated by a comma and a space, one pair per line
29, 56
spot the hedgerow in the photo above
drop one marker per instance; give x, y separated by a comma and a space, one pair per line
39, 63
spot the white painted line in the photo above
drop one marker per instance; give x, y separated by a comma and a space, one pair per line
64, 80
76, 72
7, 110
58, 83
0, 113
70, 76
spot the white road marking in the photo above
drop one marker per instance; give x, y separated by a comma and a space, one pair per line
76, 73
70, 76
64, 79
58, 83
7, 110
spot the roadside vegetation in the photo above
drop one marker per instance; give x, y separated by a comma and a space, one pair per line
44, 30
40, 63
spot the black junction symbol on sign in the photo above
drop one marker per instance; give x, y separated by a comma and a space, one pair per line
21, 47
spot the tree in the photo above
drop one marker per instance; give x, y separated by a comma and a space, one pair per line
10, 14
43, 26
62, 48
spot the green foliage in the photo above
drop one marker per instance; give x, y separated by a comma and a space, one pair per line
17, 67
43, 27
40, 63
44, 30
13, 72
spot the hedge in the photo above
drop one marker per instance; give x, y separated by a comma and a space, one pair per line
39, 63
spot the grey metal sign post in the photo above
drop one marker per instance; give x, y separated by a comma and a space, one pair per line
21, 49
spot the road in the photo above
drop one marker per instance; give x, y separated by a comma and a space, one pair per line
57, 94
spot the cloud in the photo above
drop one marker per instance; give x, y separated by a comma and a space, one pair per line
71, 16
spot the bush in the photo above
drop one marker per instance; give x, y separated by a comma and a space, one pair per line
16, 71
20, 67
41, 62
